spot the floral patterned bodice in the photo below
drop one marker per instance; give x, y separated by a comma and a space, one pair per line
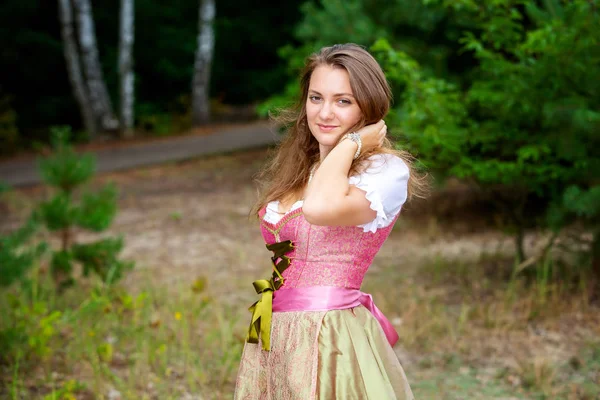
324, 255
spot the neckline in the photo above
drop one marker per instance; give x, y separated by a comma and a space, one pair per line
284, 219
292, 208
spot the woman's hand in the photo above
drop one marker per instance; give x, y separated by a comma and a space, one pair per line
372, 135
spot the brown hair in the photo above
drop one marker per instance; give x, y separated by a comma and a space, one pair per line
286, 174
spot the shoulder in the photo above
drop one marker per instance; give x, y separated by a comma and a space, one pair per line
385, 183
383, 167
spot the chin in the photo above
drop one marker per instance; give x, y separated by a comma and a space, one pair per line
327, 141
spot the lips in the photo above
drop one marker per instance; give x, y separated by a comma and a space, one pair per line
326, 128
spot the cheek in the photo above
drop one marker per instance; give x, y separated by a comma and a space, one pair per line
351, 116
310, 111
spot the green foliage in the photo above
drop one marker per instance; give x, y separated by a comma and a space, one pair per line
284, 100
535, 98
583, 203
525, 129
97, 210
61, 267
30, 335
45, 340
57, 213
101, 258
427, 31
65, 169
431, 118
67, 391
17, 255
536, 103
158, 124
32, 322
70, 208
325, 23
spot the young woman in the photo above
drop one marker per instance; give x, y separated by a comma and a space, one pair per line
332, 194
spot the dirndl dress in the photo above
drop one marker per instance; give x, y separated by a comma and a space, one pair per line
314, 334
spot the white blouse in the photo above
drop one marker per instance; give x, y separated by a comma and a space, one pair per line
385, 183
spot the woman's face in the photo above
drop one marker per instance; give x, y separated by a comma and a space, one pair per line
331, 109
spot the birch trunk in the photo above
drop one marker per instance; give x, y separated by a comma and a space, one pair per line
202, 64
65, 15
127, 94
98, 93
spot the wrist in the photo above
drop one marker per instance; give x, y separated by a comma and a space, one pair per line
356, 140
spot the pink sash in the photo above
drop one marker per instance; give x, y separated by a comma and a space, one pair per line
325, 298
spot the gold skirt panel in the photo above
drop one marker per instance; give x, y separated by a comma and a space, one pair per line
338, 354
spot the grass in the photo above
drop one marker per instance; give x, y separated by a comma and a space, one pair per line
469, 335
157, 343
176, 342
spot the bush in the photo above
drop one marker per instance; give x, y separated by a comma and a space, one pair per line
67, 172
17, 255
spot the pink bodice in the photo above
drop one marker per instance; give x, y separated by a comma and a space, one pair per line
324, 255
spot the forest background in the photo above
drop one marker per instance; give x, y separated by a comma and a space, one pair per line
499, 98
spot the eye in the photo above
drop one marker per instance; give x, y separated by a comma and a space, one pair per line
344, 101
314, 98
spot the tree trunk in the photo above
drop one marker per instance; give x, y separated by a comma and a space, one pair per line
513, 209
65, 13
98, 93
127, 93
202, 64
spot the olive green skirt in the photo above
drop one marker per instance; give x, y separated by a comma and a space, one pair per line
338, 354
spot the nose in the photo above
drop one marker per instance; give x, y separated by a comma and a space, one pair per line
326, 111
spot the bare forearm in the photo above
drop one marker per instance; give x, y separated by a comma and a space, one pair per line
329, 198
329, 185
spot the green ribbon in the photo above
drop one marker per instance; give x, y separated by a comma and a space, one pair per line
262, 310
279, 250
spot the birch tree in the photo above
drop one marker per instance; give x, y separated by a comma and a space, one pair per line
202, 64
127, 93
98, 94
65, 14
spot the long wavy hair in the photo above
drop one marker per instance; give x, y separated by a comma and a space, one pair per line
287, 172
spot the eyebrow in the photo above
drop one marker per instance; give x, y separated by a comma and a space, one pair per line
335, 95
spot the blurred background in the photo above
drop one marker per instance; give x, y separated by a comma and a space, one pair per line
130, 134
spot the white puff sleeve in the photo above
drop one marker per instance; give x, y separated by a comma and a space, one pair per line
385, 182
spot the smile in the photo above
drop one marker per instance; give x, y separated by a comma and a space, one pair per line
326, 128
